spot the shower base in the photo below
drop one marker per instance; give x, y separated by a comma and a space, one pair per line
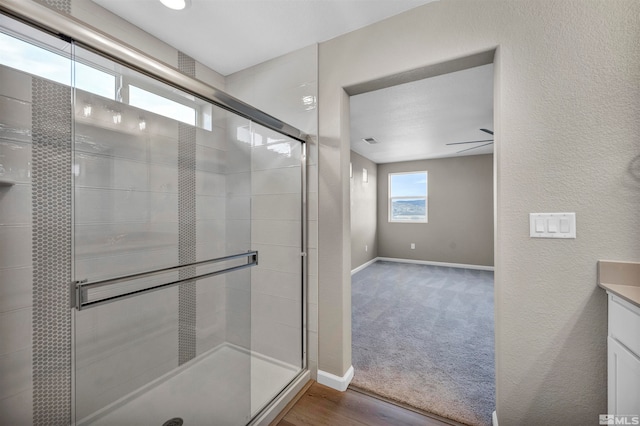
225, 386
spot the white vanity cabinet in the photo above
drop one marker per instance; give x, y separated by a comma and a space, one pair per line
623, 345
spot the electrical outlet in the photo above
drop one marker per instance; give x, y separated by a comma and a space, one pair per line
413, 246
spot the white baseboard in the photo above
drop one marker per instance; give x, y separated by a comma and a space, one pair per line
428, 262
494, 419
364, 265
336, 382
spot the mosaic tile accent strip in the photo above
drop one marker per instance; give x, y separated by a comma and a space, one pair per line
60, 5
186, 241
186, 64
51, 202
187, 227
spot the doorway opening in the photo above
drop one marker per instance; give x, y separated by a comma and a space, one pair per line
422, 239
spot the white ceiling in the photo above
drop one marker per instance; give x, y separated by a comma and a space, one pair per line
416, 120
411, 121
231, 35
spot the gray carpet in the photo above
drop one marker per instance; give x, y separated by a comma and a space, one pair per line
423, 336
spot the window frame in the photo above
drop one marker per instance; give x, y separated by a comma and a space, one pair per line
391, 198
71, 64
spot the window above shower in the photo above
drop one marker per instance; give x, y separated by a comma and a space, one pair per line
97, 82
134, 93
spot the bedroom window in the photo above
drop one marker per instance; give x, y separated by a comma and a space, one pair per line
408, 197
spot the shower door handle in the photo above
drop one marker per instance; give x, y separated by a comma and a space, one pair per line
80, 298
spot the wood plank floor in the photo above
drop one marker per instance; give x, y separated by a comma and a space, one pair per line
323, 406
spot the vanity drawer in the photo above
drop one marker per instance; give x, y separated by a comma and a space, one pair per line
624, 323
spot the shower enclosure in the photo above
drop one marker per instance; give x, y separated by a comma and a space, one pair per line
167, 239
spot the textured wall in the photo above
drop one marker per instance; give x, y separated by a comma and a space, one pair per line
364, 213
460, 209
567, 105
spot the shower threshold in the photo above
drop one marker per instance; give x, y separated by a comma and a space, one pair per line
227, 385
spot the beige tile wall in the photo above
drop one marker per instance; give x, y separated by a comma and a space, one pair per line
238, 226
15, 245
276, 281
211, 230
286, 88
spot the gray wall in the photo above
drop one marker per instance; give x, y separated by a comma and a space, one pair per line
460, 212
364, 216
567, 102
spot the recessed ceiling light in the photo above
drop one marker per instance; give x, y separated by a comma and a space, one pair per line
370, 141
176, 4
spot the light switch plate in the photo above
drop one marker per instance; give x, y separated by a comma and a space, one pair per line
552, 225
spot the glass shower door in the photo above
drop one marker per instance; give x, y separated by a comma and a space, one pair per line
168, 187
276, 282
151, 192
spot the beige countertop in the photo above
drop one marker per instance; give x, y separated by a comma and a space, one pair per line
621, 279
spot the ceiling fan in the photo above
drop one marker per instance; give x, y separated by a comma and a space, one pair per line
488, 142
